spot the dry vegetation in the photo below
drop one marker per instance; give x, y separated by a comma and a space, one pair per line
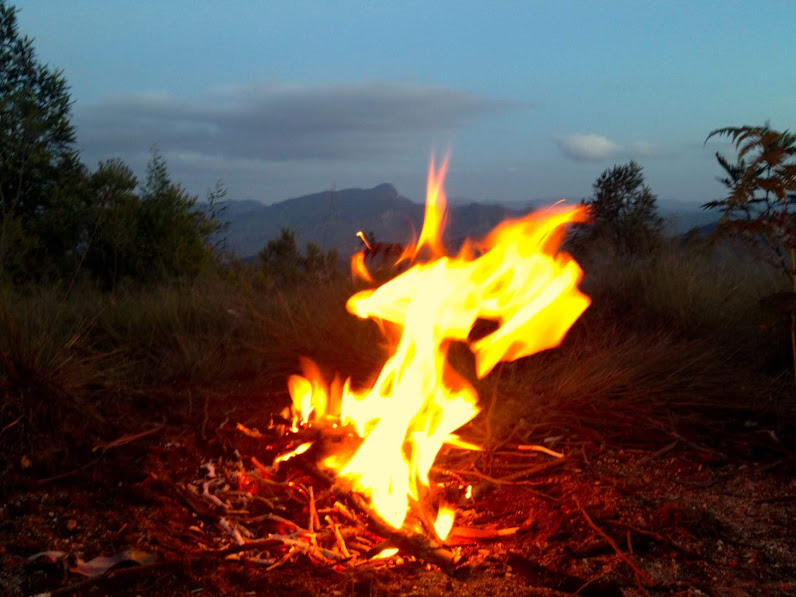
682, 327
675, 347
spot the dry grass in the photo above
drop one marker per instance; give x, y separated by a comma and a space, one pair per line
668, 335
698, 289
672, 340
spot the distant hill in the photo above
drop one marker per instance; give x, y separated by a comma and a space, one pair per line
682, 217
332, 219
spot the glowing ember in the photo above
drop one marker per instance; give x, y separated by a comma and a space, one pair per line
516, 277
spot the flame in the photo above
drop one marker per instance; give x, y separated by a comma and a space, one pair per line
358, 268
516, 277
386, 553
287, 456
444, 523
436, 213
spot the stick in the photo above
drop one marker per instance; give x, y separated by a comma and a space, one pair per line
535, 448
10, 425
474, 533
205, 418
79, 469
640, 576
111, 574
126, 439
661, 452
339, 537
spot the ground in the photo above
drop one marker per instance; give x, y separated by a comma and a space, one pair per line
660, 511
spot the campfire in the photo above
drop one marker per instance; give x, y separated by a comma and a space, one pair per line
350, 469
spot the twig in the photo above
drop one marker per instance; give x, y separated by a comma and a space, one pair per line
346, 513
661, 452
260, 466
775, 499
534, 448
698, 484
415, 544
654, 535
10, 425
271, 541
231, 531
205, 418
338, 537
496, 481
254, 433
474, 533
536, 470
315, 522
291, 552
126, 439
113, 573
279, 519
79, 469
640, 576
696, 446
588, 582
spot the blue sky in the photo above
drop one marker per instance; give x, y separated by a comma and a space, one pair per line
535, 99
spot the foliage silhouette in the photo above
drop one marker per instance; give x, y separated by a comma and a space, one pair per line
624, 210
283, 263
41, 177
759, 208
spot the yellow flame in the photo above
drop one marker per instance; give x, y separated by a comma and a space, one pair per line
386, 553
516, 277
288, 455
444, 523
436, 212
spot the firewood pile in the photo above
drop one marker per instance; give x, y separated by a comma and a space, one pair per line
267, 503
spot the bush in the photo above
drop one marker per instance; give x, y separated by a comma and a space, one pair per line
284, 264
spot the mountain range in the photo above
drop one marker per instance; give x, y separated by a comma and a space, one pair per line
332, 218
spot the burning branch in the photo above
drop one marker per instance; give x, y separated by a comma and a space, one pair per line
414, 544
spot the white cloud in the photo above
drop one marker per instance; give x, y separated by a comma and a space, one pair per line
588, 147
594, 148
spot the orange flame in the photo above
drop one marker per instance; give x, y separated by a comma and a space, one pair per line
359, 271
436, 213
516, 277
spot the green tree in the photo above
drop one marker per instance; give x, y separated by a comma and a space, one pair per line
41, 177
283, 262
318, 263
623, 209
113, 240
157, 234
215, 210
173, 232
280, 257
